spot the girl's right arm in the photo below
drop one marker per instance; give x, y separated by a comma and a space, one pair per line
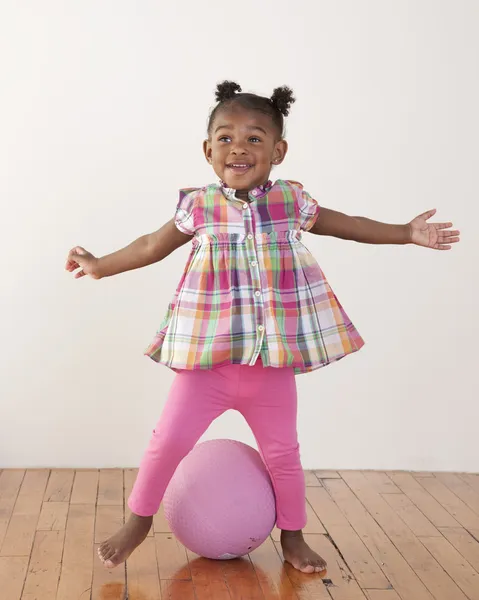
146, 250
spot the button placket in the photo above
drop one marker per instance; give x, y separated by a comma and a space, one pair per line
252, 256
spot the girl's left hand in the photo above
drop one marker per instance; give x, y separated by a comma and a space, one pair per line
432, 235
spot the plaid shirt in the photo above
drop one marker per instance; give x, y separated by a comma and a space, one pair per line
250, 288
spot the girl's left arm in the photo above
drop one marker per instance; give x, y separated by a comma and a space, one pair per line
437, 236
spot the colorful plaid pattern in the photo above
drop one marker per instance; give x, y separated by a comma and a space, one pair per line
250, 287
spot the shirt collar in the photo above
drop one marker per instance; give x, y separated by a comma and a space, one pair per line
258, 192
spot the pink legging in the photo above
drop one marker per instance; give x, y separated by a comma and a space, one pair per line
267, 399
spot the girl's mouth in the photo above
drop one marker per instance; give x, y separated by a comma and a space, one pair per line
239, 168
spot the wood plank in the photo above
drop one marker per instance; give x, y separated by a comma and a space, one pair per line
10, 483
429, 571
343, 586
411, 515
110, 487
452, 503
313, 524
108, 584
13, 570
171, 557
462, 490
381, 482
44, 569
360, 561
327, 475
77, 564
307, 586
109, 519
428, 505
53, 516
423, 474
208, 578
59, 486
464, 543
472, 479
382, 595
142, 573
272, 577
176, 590
402, 577
160, 524
20, 534
85, 487
311, 480
241, 580
129, 480
455, 565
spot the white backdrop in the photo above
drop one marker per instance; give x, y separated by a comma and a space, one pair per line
103, 109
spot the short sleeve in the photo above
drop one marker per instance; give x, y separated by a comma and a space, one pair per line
308, 207
185, 214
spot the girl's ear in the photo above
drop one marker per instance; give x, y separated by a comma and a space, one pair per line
207, 150
280, 151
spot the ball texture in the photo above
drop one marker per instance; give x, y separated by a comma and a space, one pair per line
220, 502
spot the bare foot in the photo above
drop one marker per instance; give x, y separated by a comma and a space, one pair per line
297, 552
119, 547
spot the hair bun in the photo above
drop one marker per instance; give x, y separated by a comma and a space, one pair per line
226, 90
282, 99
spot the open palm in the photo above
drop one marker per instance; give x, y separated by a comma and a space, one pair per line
437, 236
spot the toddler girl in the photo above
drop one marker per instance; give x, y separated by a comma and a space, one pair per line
252, 309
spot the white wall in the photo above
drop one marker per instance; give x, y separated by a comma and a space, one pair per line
103, 107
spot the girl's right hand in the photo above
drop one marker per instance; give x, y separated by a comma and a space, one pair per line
79, 258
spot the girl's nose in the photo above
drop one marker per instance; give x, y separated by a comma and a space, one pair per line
238, 149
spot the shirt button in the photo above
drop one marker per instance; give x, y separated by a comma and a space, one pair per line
245, 205
257, 293
253, 263
250, 236
260, 327
254, 192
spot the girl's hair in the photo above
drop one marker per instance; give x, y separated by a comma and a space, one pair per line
277, 107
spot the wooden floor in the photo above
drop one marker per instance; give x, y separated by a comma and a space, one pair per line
386, 536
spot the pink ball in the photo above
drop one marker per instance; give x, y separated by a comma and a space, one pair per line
220, 502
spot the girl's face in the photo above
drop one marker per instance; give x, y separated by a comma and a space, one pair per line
243, 147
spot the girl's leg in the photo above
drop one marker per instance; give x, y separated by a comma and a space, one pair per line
268, 401
196, 398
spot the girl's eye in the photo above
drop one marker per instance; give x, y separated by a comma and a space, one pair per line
254, 139
224, 138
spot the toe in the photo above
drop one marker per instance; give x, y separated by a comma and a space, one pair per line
112, 561
106, 553
320, 565
306, 568
110, 554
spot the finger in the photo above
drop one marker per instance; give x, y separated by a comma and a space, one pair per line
80, 274
428, 214
76, 252
442, 225
442, 247
71, 265
448, 240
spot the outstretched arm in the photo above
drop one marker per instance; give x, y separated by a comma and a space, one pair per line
360, 229
146, 250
